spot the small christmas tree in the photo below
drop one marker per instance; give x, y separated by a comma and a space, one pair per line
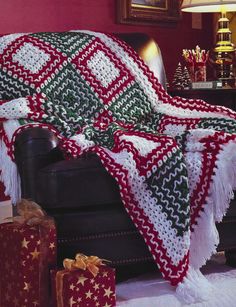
186, 78
177, 82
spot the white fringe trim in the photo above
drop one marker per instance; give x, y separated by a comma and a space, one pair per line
205, 237
9, 173
224, 180
194, 288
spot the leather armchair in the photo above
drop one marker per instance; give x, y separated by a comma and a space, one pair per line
83, 197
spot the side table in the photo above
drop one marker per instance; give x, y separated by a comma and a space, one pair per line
223, 96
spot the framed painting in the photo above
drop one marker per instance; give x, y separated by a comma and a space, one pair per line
148, 11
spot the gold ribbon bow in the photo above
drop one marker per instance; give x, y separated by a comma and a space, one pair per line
83, 262
31, 214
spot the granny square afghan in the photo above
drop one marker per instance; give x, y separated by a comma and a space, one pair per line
173, 158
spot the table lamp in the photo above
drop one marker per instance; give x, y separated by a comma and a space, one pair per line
223, 54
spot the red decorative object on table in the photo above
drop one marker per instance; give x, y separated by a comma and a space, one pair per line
27, 254
196, 60
82, 286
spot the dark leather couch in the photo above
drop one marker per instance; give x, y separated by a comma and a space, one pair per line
83, 197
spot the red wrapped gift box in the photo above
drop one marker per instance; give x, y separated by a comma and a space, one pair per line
27, 254
79, 288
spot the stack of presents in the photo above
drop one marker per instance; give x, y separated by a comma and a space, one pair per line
29, 275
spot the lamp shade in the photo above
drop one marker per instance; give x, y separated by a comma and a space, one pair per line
207, 6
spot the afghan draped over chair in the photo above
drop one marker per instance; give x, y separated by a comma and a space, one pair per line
173, 158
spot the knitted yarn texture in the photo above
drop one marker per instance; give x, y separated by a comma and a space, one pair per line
167, 154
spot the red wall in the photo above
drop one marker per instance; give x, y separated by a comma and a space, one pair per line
100, 15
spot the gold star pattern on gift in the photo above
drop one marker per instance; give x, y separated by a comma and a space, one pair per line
96, 286
21, 289
88, 294
27, 286
71, 301
35, 254
52, 245
97, 304
105, 274
108, 292
81, 280
107, 305
72, 286
25, 243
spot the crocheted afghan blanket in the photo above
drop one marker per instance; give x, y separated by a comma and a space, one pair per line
173, 158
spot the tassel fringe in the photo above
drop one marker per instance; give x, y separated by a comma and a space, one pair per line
194, 288
224, 180
9, 173
205, 237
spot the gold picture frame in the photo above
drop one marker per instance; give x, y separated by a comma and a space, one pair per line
148, 11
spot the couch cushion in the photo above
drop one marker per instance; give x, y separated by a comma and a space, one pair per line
107, 233
91, 223
82, 182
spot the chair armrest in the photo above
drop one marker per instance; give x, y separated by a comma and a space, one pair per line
34, 148
148, 49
